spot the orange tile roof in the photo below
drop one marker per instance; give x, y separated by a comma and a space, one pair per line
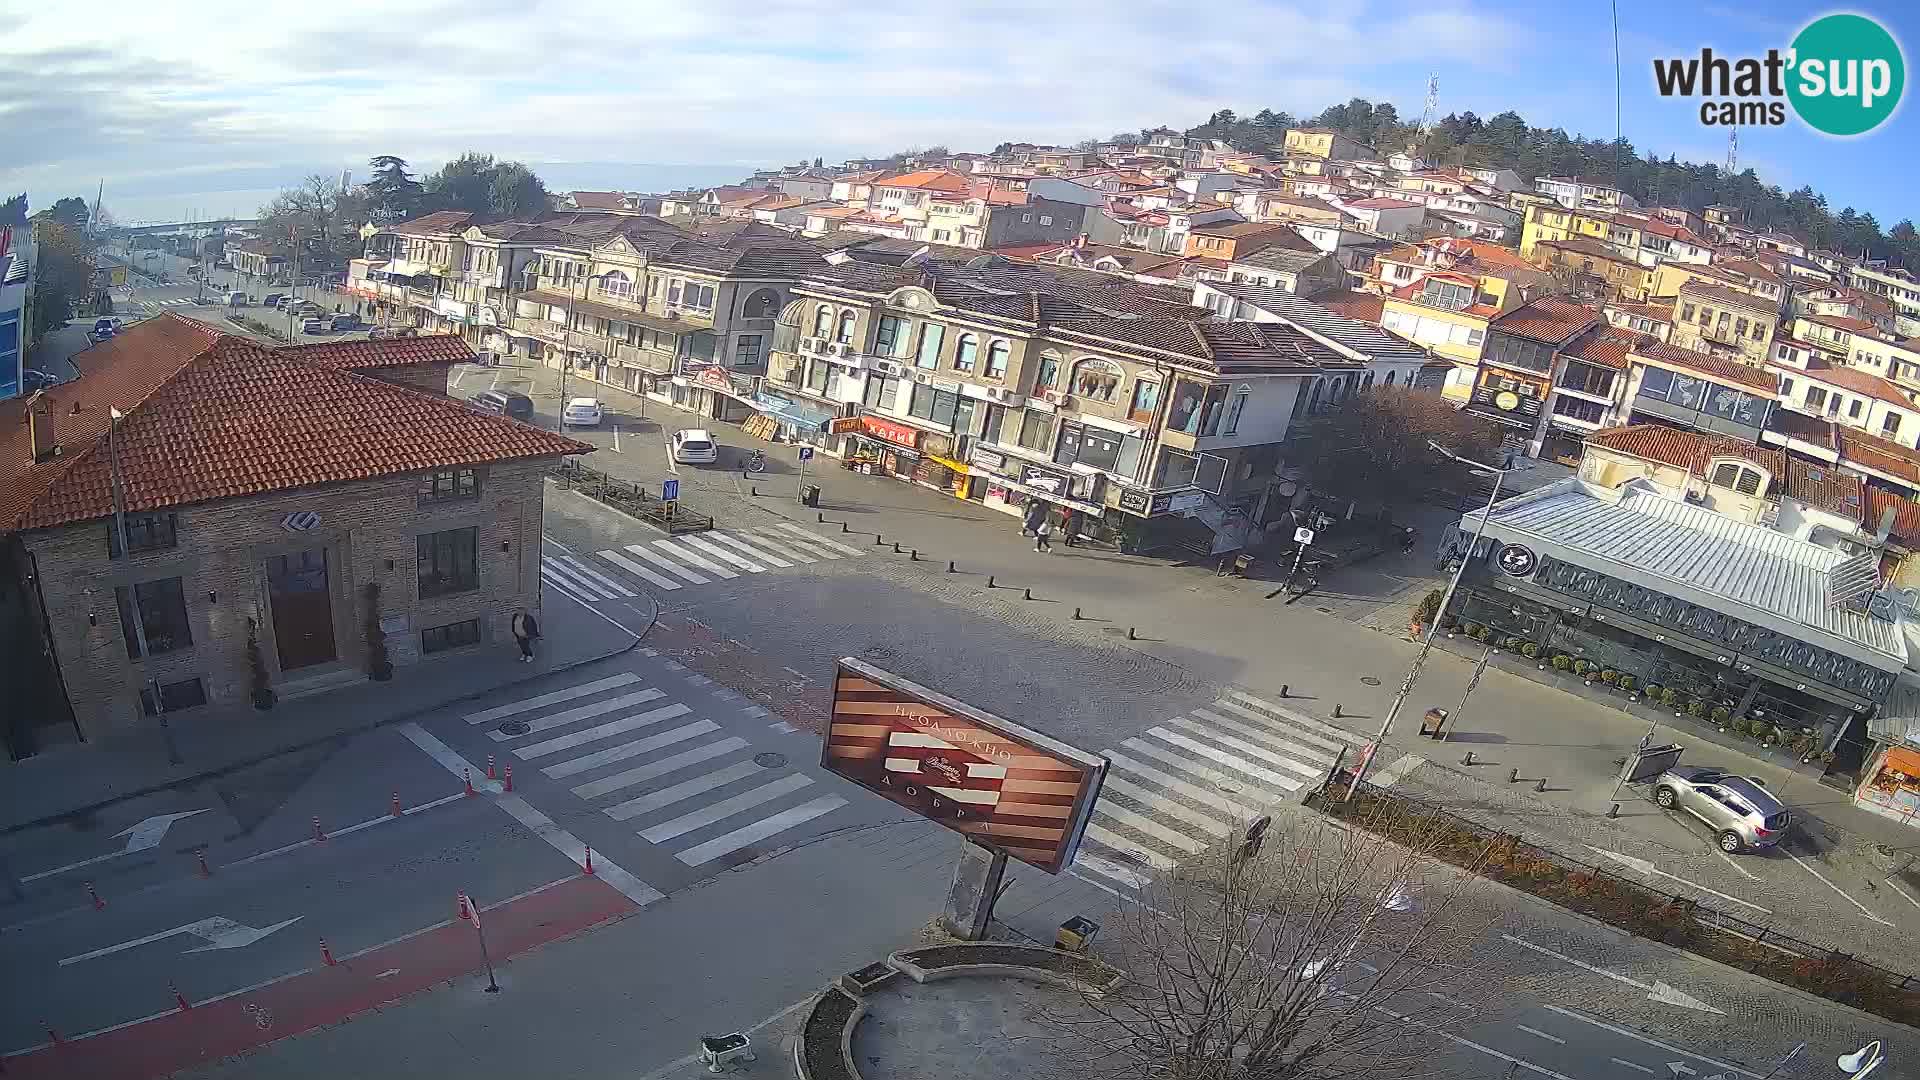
394, 352
1882, 455
1865, 383
1906, 514
1548, 320
928, 179
1604, 345
1842, 322
1712, 367
208, 415
441, 221
1364, 306
1689, 450
1826, 487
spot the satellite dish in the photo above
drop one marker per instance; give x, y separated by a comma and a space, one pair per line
985, 262
918, 256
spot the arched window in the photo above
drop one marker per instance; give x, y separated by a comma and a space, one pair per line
964, 352
1096, 379
1314, 401
616, 284
845, 333
1738, 476
823, 322
763, 304
1048, 375
1367, 383
997, 360
1391, 375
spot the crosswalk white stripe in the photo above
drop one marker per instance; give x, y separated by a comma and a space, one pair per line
742, 547
728, 843
1284, 713
788, 526
583, 712
1230, 760
634, 749
725, 808
674, 764
667, 564
1234, 784
1161, 804
622, 752
782, 545
1174, 783
1331, 747
1108, 838
695, 558
548, 575
717, 551
552, 565
603, 731
1142, 823
1305, 751
625, 678
1132, 879
766, 535
595, 576
686, 789
637, 570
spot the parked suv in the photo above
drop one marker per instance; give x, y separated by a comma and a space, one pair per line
517, 406
1742, 813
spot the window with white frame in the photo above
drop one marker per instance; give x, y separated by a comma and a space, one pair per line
617, 284
823, 321
1096, 379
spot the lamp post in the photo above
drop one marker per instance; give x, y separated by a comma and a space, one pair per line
566, 357
1446, 600
1863, 1061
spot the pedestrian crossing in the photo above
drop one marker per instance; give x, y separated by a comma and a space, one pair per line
680, 562
1199, 779
677, 779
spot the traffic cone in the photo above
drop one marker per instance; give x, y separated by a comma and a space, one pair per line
98, 904
490, 774
326, 953
465, 916
180, 998
509, 778
205, 870
467, 775
589, 862
319, 837
396, 804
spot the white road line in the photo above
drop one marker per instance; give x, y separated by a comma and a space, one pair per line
725, 808
696, 559
667, 564
672, 765
686, 789
1397, 771
558, 572
1288, 728
638, 571
787, 546
1161, 804
1668, 1047
583, 712
1282, 712
606, 583
1902, 892
742, 547
1541, 1034
580, 690
1232, 762
597, 788
604, 731
787, 526
548, 537
1312, 754
1836, 888
1631, 1065
1141, 823
1132, 879
1748, 874
1174, 783
543, 826
1108, 838
719, 552
1232, 785
728, 843
561, 586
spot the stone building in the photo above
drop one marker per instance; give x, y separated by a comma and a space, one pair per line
199, 518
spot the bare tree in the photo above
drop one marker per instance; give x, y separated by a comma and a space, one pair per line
1332, 952
1373, 445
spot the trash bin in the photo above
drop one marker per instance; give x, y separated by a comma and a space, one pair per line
811, 496
1076, 934
1432, 722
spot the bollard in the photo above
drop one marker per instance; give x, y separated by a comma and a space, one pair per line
589, 862
1540, 784
467, 775
878, 540
819, 518
1026, 594
319, 837
845, 528
914, 554
205, 870
326, 953
396, 804
465, 916
755, 489
950, 568
1076, 614
179, 998
490, 774
98, 904
1468, 760
1283, 692
53, 1035
990, 581
1336, 710
509, 777
1131, 635
1513, 776
1613, 811
896, 547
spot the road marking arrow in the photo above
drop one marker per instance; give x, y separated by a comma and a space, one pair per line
1681, 1068
140, 837
218, 932
1645, 867
1662, 992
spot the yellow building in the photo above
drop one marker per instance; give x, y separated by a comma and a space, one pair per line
1326, 143
1448, 311
1551, 221
1623, 278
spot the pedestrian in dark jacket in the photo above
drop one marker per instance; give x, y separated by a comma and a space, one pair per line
526, 630
1036, 513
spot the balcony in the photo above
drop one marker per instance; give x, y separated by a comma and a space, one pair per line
495, 278
660, 363
554, 334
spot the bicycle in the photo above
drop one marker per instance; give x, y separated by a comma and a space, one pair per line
757, 461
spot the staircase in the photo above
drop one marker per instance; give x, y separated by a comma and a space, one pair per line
320, 679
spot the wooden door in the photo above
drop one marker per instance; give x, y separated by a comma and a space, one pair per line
302, 608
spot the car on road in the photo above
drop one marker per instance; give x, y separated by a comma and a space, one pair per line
32, 380
517, 406
272, 299
314, 326
236, 299
344, 320
582, 412
1742, 813
695, 446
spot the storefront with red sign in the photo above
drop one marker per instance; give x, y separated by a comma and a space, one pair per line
884, 447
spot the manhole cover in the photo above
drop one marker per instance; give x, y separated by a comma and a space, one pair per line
1369, 680
770, 760
514, 727
1324, 610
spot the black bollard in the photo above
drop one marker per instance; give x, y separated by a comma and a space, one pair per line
1541, 784
755, 488
878, 540
1026, 594
1076, 614
1283, 691
819, 518
1613, 811
1336, 710
916, 555
1130, 634
1468, 760
896, 547
950, 568
1513, 776
845, 528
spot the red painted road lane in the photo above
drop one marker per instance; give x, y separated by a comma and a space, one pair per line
326, 995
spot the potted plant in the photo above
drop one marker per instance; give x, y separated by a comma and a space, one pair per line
1531, 650
1670, 698
1721, 714
1425, 613
1563, 662
263, 695
1697, 709
379, 666
1623, 681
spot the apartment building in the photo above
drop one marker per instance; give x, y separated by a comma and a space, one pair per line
1446, 293
1520, 365
1583, 193
1594, 270
1326, 144
1724, 322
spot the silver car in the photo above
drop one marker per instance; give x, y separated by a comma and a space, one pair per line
1742, 813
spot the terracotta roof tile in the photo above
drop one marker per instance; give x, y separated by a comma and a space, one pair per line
209, 416
927, 179
1865, 383
1547, 320
1604, 345
1906, 514
1711, 366
1882, 455
1841, 322
396, 352
1689, 450
1721, 294
442, 221
1825, 487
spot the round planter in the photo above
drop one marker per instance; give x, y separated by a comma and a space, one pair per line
382, 673
264, 698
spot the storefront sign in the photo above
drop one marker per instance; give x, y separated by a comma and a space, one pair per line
888, 431
1046, 480
452, 309
1134, 502
715, 377
843, 424
1507, 399
1518, 561
1182, 501
988, 459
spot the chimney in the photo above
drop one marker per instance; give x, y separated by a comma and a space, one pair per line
40, 426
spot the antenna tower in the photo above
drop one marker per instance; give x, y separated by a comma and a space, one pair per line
1733, 151
1431, 114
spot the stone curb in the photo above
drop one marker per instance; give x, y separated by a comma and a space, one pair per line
901, 961
846, 1033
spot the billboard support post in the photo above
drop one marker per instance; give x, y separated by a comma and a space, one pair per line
976, 885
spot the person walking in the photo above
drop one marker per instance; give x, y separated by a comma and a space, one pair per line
526, 630
1069, 519
1036, 513
1043, 536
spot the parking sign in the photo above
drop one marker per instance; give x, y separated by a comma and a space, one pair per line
670, 488
806, 453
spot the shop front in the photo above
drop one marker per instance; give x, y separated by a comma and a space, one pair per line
713, 391
789, 418
1011, 485
882, 447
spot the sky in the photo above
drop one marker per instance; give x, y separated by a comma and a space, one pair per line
214, 105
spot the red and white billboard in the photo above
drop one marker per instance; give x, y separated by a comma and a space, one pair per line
1003, 785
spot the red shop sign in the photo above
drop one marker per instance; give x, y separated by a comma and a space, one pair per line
898, 434
716, 377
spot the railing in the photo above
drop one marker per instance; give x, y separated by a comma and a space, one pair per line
630, 498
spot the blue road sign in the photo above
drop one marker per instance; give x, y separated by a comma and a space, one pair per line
806, 453
670, 489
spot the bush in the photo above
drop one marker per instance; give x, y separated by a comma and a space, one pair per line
1721, 714
1563, 662
1653, 691
1428, 608
1510, 643
1472, 629
1669, 696
1696, 708
1624, 681
1530, 650
1582, 667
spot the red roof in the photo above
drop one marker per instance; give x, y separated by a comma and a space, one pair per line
1364, 306
1881, 455
395, 352
209, 415
1689, 450
926, 179
1841, 322
1547, 320
441, 221
1603, 345
598, 200
1712, 367
1906, 514
1865, 383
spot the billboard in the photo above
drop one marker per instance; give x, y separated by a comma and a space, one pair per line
1004, 786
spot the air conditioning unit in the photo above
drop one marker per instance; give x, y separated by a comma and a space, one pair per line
843, 348
1055, 397
890, 368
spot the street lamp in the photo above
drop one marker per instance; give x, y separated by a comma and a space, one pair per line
1446, 600
566, 358
1862, 1061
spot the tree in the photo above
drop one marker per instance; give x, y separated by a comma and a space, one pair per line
71, 212
478, 184
392, 193
63, 274
1373, 446
14, 210
1316, 952
318, 220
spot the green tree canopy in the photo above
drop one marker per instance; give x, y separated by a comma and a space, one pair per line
479, 184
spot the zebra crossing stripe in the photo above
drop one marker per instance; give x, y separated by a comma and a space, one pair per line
1328, 747
728, 843
1298, 717
1144, 824
552, 564
768, 536
784, 546
560, 585
604, 757
1229, 760
498, 712
595, 576
637, 570
603, 731
696, 559
1312, 754
667, 564
635, 748
1231, 784
725, 808
1108, 838
686, 789
741, 546
671, 765
788, 526
1132, 879
584, 712
717, 551
1162, 804
1173, 783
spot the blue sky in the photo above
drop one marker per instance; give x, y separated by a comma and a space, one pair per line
217, 103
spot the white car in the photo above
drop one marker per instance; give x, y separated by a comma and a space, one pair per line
695, 446
582, 412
